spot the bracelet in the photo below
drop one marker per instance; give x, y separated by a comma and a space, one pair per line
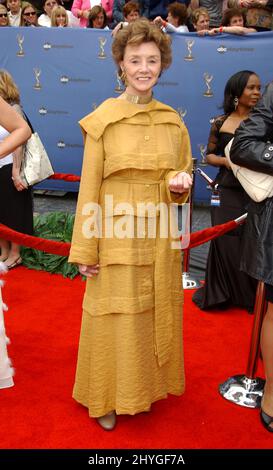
221, 29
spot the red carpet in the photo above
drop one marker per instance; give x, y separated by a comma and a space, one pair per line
43, 324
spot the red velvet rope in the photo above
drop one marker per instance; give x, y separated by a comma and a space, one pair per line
207, 234
49, 246
62, 248
65, 177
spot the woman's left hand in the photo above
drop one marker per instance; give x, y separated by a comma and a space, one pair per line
18, 183
181, 183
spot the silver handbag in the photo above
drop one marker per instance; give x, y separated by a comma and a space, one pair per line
35, 166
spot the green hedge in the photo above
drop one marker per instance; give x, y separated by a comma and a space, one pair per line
57, 226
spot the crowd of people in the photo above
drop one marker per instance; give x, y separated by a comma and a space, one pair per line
201, 16
137, 149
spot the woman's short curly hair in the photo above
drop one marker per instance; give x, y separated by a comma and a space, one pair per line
139, 32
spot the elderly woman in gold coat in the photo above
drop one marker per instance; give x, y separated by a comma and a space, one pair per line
137, 162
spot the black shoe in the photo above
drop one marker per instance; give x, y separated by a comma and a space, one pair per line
266, 421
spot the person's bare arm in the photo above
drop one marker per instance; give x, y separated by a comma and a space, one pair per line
214, 160
15, 125
17, 160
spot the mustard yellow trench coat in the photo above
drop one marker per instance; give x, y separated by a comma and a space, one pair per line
130, 351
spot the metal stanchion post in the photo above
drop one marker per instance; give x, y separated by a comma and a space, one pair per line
188, 280
246, 390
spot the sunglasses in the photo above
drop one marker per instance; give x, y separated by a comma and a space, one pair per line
3, 15
31, 13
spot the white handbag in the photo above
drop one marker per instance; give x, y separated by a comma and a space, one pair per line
258, 186
36, 165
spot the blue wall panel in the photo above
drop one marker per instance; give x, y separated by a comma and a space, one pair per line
72, 80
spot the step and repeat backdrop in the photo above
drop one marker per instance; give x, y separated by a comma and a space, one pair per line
63, 74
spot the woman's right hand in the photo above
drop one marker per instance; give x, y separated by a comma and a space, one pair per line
89, 270
18, 183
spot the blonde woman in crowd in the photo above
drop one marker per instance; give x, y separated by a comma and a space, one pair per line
214, 9
45, 18
59, 17
4, 19
15, 198
200, 19
29, 15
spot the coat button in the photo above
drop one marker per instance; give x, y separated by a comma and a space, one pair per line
147, 137
270, 148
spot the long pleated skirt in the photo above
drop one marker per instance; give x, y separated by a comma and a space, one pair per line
117, 366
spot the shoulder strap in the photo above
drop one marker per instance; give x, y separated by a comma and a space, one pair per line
29, 123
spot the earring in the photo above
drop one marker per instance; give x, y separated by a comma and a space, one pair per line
235, 102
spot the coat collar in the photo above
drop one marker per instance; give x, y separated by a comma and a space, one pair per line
114, 110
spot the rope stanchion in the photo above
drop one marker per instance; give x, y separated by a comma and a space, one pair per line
247, 390
188, 280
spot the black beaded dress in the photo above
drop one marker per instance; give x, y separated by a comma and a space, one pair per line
225, 284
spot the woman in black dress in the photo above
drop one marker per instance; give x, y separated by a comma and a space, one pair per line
225, 284
15, 198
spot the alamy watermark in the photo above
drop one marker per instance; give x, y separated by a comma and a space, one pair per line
141, 220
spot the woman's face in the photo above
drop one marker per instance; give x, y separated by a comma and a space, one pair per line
61, 19
48, 6
30, 15
142, 66
3, 16
98, 21
251, 93
172, 19
202, 23
133, 16
14, 6
236, 20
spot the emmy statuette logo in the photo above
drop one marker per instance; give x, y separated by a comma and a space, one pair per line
182, 113
37, 74
119, 85
190, 43
20, 40
203, 149
102, 42
208, 78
